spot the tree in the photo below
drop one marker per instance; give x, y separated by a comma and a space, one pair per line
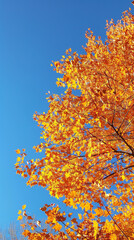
88, 139
13, 233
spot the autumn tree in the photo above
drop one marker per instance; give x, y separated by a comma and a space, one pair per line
88, 139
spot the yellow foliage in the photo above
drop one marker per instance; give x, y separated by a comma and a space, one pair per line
87, 140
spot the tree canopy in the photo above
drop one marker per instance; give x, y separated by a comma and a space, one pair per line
88, 141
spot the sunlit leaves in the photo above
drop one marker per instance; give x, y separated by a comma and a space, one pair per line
95, 225
19, 212
23, 207
87, 140
18, 151
26, 233
19, 217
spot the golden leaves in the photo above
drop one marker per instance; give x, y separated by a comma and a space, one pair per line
57, 227
87, 206
18, 151
19, 212
113, 236
87, 138
23, 207
95, 225
19, 217
25, 233
70, 214
80, 216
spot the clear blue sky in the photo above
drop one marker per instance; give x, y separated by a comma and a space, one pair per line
32, 34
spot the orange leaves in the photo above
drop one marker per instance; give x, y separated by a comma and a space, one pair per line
113, 236
80, 216
109, 226
19, 212
68, 51
18, 151
43, 208
74, 220
70, 214
95, 225
57, 227
60, 218
87, 140
86, 206
23, 225
100, 212
23, 207
19, 217
26, 233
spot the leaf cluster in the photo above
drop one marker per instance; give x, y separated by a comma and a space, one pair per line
88, 140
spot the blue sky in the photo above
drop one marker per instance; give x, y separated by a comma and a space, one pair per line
32, 34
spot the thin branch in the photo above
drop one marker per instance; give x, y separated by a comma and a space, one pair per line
115, 222
131, 148
111, 174
125, 117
